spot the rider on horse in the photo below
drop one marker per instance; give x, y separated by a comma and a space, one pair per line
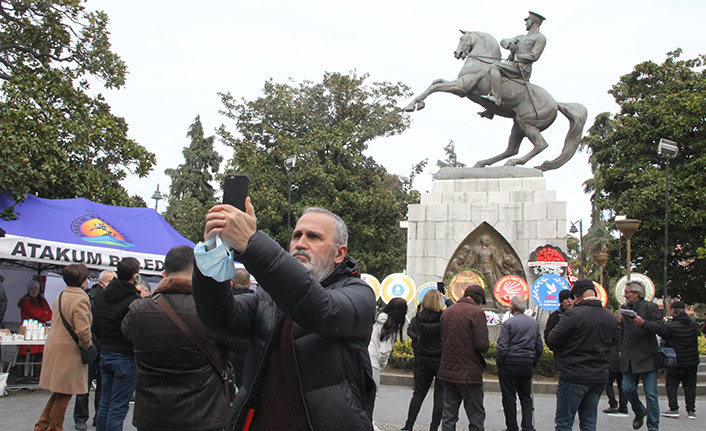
524, 50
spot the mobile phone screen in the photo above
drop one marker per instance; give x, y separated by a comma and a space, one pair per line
235, 190
440, 287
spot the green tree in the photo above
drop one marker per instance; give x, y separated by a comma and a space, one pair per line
191, 194
328, 126
59, 141
656, 101
451, 157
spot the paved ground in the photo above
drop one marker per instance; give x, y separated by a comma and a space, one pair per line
20, 410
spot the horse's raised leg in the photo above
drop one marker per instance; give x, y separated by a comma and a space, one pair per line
458, 87
513, 146
537, 140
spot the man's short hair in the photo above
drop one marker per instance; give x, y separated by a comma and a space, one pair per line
179, 259
636, 286
518, 303
127, 268
103, 275
74, 275
241, 279
341, 237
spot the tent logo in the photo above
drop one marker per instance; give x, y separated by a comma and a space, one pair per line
92, 229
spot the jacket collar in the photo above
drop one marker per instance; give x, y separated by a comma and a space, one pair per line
347, 268
174, 285
589, 303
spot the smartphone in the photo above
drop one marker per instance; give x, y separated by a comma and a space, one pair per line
440, 287
235, 190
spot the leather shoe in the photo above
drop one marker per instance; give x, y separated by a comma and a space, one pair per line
638, 421
81, 426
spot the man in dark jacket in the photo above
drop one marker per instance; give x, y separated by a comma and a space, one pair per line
94, 372
177, 387
518, 350
617, 407
636, 353
117, 363
581, 341
310, 321
464, 337
566, 301
683, 336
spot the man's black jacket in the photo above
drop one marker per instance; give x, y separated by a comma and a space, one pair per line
581, 342
683, 336
332, 325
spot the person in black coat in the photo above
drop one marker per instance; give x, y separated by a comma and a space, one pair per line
309, 322
177, 386
582, 341
117, 363
425, 332
683, 336
566, 301
616, 407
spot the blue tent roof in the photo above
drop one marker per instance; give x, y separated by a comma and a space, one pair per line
64, 231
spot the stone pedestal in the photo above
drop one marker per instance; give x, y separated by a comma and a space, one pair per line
514, 201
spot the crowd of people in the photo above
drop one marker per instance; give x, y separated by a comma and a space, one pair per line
308, 345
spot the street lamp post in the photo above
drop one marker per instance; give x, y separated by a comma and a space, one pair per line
667, 150
573, 230
289, 164
628, 227
600, 258
157, 196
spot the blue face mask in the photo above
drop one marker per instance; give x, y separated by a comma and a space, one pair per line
216, 263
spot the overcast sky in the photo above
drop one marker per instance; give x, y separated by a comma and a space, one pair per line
181, 54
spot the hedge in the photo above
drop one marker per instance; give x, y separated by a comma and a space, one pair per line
402, 358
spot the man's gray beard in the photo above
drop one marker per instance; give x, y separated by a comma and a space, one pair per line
318, 269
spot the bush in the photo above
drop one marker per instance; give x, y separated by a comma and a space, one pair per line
402, 355
702, 345
546, 365
402, 358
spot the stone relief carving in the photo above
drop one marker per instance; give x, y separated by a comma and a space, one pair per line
488, 252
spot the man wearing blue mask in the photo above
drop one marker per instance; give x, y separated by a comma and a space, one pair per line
309, 323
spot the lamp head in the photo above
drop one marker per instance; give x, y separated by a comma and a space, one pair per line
667, 149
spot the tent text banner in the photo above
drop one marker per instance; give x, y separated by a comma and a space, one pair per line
56, 253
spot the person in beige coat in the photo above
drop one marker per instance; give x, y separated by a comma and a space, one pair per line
63, 372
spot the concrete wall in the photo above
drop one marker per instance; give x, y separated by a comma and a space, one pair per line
521, 209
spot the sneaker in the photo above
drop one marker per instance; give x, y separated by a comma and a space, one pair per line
670, 413
620, 414
610, 410
81, 426
691, 415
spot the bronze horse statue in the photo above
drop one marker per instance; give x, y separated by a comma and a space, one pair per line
531, 107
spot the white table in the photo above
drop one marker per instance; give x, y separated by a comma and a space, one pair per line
13, 357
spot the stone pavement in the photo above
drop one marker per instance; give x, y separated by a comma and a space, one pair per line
20, 410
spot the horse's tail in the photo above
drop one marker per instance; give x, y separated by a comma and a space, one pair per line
577, 115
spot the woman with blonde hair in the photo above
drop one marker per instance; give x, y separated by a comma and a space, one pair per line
425, 332
63, 371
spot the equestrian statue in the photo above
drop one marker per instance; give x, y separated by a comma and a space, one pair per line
502, 87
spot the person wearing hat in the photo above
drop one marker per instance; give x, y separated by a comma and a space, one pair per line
524, 50
566, 301
464, 337
683, 336
636, 354
581, 342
